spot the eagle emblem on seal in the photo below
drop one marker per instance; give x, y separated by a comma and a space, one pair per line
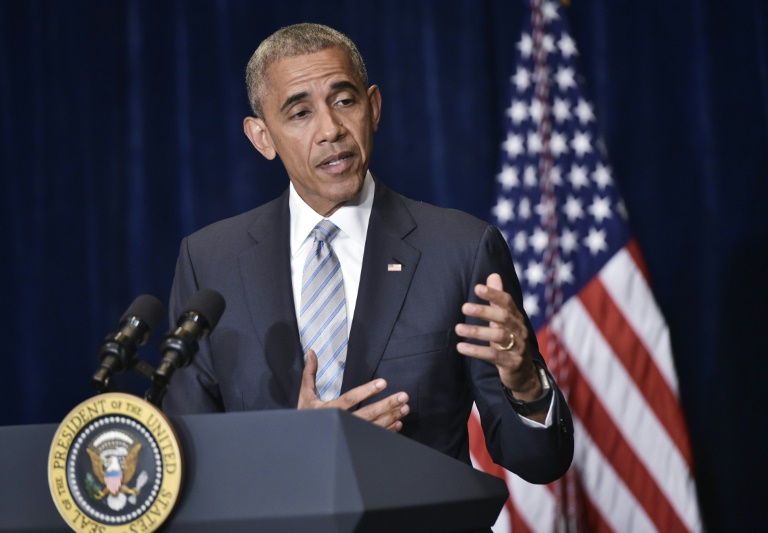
114, 456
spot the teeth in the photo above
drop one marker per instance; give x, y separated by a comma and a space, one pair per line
336, 161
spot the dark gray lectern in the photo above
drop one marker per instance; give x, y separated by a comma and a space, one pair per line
272, 471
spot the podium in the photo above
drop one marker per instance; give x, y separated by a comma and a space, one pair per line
284, 470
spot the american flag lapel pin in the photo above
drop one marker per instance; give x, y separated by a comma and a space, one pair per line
394, 267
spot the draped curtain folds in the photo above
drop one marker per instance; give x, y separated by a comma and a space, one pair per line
120, 132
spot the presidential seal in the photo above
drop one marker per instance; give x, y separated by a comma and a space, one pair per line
115, 465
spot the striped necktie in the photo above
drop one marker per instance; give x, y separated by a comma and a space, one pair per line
323, 316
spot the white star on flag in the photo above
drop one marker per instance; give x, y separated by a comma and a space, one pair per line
503, 210
534, 274
508, 177
534, 143
539, 240
534, 110
545, 208
548, 43
522, 79
524, 208
595, 241
557, 144
600, 208
573, 209
520, 243
555, 177
513, 145
518, 112
581, 143
525, 46
529, 177
564, 78
567, 46
584, 112
549, 10
531, 304
569, 241
561, 110
565, 272
602, 176
578, 176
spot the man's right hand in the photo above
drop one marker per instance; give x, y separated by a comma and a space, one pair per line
386, 413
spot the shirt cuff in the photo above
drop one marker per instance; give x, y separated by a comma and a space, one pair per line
547, 422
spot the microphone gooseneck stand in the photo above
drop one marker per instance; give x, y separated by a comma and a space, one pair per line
117, 352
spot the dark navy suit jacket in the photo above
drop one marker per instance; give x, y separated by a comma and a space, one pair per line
402, 331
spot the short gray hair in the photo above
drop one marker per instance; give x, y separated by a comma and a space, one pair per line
292, 41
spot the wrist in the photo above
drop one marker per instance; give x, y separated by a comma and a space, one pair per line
539, 403
524, 384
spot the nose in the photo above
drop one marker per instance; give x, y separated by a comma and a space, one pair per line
330, 126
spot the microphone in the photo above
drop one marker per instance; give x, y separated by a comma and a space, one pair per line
117, 351
180, 344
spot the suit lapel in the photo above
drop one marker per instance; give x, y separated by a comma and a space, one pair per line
382, 291
266, 272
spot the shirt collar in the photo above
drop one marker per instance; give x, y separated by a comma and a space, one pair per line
351, 218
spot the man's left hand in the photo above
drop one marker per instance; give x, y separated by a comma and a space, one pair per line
507, 336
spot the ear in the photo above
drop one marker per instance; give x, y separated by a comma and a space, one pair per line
374, 97
256, 131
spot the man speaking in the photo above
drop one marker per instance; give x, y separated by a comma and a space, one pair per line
342, 293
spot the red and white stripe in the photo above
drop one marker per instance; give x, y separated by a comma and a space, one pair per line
632, 460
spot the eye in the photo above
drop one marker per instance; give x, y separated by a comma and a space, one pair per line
345, 101
299, 114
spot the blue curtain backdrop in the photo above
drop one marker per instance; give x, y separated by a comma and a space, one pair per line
120, 127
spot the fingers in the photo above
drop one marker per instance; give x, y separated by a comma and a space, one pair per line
501, 323
501, 313
387, 413
501, 309
310, 369
496, 334
505, 325
490, 313
509, 359
494, 282
503, 319
308, 392
354, 396
516, 368
493, 291
499, 300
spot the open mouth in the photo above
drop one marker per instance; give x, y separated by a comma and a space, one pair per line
336, 161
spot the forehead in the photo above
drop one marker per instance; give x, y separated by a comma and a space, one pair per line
309, 71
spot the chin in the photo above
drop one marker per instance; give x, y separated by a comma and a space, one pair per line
349, 186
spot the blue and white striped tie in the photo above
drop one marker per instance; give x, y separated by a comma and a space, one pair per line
323, 316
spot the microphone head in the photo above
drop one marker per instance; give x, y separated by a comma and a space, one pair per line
209, 304
146, 307
117, 351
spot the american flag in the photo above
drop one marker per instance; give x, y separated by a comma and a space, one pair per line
587, 293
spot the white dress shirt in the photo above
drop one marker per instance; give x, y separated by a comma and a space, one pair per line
349, 245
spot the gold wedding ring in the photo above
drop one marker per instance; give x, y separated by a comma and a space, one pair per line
511, 343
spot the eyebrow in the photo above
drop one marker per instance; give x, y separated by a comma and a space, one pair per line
345, 85
335, 87
293, 99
